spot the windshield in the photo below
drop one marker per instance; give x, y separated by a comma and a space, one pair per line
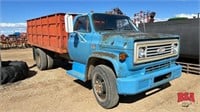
105, 22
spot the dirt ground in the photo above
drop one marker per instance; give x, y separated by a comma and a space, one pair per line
54, 91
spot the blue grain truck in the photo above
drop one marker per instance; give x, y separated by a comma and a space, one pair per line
106, 49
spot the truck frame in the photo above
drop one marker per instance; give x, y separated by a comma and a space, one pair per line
106, 49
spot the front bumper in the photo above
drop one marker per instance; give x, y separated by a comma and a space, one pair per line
136, 84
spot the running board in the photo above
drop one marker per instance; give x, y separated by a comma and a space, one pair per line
78, 71
76, 74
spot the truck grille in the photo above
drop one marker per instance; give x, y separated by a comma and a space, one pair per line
157, 50
158, 67
146, 51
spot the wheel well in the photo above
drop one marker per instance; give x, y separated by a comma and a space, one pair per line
97, 61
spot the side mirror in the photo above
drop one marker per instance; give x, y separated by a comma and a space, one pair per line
69, 23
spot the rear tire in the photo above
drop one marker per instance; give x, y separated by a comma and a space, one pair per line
41, 59
50, 60
104, 86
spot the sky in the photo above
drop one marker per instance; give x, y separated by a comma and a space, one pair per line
14, 13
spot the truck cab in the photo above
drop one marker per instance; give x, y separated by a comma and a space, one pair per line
118, 59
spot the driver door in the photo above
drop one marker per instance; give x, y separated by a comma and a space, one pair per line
80, 40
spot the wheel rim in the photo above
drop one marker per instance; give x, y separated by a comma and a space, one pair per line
99, 87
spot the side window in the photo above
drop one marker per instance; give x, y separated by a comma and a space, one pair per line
82, 24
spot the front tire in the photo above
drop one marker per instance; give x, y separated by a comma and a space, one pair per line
104, 86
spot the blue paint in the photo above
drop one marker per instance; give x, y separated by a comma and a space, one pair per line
130, 78
78, 71
133, 85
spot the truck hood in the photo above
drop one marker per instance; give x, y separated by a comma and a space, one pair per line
137, 36
124, 40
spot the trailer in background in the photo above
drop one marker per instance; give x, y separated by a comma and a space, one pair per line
188, 29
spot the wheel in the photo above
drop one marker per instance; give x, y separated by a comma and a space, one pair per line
41, 59
104, 86
22, 66
50, 60
8, 74
12, 71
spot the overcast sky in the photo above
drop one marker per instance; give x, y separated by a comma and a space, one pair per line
13, 13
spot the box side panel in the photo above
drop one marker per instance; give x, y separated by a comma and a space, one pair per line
48, 32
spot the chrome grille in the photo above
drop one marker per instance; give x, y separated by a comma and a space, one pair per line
146, 51
156, 50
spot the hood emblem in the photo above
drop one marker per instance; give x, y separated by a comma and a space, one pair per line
161, 50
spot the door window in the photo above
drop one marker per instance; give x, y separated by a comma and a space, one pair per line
82, 24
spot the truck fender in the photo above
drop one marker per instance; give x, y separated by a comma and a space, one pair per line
106, 58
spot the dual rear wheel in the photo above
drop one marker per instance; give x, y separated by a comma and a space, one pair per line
44, 59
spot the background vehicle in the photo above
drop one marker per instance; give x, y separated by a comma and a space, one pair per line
106, 49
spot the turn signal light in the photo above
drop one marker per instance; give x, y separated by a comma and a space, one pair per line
122, 57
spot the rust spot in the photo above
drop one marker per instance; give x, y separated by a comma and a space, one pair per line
102, 54
136, 36
108, 35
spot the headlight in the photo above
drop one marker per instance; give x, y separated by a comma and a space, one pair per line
175, 48
141, 52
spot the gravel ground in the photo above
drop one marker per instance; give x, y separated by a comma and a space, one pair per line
54, 91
